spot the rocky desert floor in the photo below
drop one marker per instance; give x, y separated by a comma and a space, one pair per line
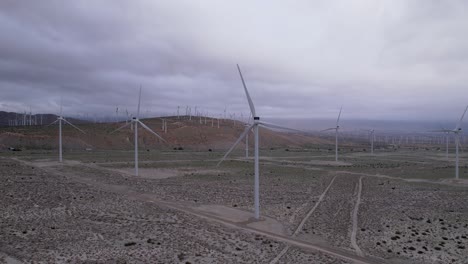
392, 207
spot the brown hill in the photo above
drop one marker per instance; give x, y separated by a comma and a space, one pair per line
188, 134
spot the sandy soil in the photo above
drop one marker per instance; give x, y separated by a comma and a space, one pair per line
49, 218
423, 222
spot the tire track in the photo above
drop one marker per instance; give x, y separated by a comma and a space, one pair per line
299, 227
355, 219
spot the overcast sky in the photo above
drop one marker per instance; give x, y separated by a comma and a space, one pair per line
379, 59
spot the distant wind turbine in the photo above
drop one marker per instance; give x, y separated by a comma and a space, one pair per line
446, 133
60, 118
447, 138
135, 121
255, 126
336, 134
371, 138
456, 131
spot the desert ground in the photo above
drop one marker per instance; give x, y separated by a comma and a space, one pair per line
392, 207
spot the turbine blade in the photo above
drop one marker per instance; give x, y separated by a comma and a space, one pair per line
151, 131
440, 130
242, 136
269, 125
61, 103
340, 136
461, 119
252, 107
460, 145
74, 126
52, 123
338, 120
328, 129
121, 127
139, 100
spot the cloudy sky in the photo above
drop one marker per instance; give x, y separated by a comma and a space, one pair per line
394, 60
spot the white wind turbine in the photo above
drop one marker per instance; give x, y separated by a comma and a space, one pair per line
446, 133
336, 134
60, 118
135, 121
255, 127
456, 131
372, 138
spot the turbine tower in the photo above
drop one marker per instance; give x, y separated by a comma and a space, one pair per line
135, 121
61, 119
336, 134
255, 126
247, 140
456, 131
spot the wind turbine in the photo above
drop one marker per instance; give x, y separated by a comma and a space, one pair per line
447, 135
372, 138
336, 134
61, 119
255, 126
456, 131
446, 142
135, 121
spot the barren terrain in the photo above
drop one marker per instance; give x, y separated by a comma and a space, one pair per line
392, 207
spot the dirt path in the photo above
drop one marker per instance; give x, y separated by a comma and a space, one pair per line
299, 227
355, 219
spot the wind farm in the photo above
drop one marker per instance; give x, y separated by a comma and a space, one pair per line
291, 200
233, 132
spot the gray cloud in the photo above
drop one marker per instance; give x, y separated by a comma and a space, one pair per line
379, 59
